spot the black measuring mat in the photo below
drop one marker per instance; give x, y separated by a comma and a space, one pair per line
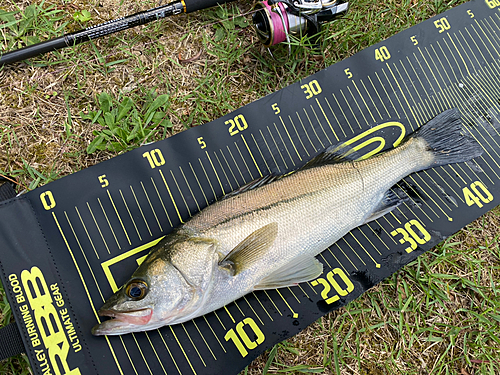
68, 245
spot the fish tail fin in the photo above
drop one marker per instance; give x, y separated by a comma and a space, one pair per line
445, 139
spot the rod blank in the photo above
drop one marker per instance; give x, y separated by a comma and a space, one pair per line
107, 28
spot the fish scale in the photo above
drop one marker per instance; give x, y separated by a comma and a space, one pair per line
342, 195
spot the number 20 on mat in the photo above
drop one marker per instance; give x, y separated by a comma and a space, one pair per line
331, 281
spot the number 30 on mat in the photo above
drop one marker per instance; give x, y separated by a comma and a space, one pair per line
410, 236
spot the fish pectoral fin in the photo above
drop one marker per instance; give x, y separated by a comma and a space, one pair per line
251, 249
300, 270
389, 202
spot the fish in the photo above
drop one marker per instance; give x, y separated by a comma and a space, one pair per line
267, 234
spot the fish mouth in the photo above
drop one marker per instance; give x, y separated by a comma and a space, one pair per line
122, 322
140, 317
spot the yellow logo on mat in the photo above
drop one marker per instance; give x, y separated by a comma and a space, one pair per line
106, 265
379, 139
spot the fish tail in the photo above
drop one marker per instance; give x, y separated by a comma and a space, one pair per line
445, 139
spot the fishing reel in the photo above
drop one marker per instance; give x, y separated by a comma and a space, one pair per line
275, 20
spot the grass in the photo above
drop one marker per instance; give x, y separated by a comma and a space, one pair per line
439, 315
67, 110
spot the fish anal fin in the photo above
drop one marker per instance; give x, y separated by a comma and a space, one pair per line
251, 249
389, 202
302, 269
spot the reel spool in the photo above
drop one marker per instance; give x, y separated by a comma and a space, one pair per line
274, 20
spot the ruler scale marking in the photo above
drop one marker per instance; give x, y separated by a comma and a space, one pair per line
419, 118
363, 99
404, 97
223, 171
299, 137
320, 124
350, 108
311, 125
305, 132
335, 117
326, 118
432, 110
357, 104
371, 99
342, 111
190, 190
284, 144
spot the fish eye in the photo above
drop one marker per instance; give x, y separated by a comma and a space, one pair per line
136, 289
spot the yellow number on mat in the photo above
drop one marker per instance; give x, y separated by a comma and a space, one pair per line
155, 158
238, 124
312, 88
48, 200
202, 142
241, 339
382, 54
410, 236
103, 180
442, 24
479, 194
492, 3
330, 276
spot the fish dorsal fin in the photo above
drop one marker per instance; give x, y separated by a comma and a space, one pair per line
301, 269
253, 185
251, 249
338, 153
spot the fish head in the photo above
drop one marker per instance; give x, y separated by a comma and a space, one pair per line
167, 288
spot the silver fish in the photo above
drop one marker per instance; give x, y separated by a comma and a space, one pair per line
268, 236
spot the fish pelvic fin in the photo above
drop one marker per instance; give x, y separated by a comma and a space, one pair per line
445, 139
251, 249
300, 270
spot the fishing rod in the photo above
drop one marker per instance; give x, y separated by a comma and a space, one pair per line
107, 28
274, 21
